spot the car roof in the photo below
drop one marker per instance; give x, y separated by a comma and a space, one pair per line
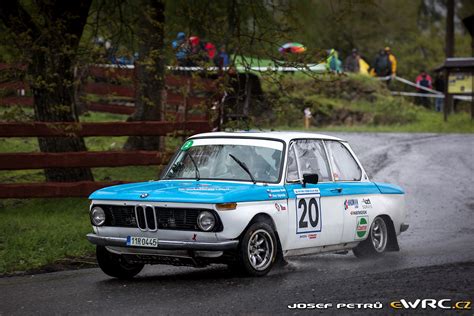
280, 135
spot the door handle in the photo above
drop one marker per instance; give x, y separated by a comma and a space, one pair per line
338, 190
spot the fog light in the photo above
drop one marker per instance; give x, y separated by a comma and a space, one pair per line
97, 216
206, 221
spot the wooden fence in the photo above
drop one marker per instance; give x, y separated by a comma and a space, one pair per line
113, 90
39, 160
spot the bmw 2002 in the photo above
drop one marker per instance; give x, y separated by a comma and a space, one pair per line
247, 199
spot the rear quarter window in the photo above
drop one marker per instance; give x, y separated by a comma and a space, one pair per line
344, 166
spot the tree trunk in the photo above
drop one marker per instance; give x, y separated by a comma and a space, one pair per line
150, 74
50, 44
56, 103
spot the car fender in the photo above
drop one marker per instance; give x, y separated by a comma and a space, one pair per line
236, 221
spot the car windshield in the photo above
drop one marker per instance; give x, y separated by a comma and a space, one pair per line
237, 159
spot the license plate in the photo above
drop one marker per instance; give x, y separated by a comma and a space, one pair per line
142, 242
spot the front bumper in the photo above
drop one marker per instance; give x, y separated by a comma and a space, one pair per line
166, 244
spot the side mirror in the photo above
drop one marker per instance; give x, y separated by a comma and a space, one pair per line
310, 178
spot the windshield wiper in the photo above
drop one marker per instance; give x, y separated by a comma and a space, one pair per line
243, 166
198, 176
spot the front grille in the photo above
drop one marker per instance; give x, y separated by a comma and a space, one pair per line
119, 216
151, 218
177, 218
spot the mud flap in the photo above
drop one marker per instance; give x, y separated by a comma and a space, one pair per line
392, 244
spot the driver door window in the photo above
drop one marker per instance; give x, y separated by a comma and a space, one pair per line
309, 156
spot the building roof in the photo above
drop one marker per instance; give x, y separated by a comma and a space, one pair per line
280, 135
457, 62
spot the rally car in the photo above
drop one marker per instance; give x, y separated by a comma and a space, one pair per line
247, 199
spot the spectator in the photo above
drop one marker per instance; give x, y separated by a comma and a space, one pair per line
352, 62
439, 86
423, 80
181, 48
198, 54
364, 67
211, 50
382, 64
333, 63
393, 61
222, 59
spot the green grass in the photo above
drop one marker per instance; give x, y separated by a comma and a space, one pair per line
37, 232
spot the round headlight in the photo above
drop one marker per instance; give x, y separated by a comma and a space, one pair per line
97, 216
206, 221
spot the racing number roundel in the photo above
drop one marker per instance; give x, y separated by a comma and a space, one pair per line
308, 214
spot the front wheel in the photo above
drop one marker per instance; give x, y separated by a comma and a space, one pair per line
115, 265
376, 242
257, 249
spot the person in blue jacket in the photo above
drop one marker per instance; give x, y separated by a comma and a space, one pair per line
180, 46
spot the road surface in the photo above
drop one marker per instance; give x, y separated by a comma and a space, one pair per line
436, 258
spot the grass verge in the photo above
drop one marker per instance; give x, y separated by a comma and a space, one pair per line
38, 232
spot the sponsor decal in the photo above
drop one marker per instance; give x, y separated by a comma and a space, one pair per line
306, 191
277, 195
312, 236
205, 188
144, 195
279, 190
187, 145
351, 204
280, 207
366, 203
362, 226
361, 212
303, 236
194, 237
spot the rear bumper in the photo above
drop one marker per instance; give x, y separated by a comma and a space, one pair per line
403, 227
166, 244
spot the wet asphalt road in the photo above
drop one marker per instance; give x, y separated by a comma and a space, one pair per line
436, 257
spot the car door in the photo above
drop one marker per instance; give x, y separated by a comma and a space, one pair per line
357, 193
315, 214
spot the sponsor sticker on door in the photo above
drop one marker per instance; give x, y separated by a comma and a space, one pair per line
362, 226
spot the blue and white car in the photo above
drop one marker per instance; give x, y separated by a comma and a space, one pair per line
247, 199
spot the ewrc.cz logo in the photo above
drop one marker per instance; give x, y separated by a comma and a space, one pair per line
431, 303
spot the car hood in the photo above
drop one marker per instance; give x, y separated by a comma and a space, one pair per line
190, 192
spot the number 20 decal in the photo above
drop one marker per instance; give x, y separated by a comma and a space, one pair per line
308, 214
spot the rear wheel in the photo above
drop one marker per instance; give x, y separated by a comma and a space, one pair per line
115, 265
376, 242
257, 249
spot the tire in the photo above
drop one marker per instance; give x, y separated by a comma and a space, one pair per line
377, 241
115, 266
257, 250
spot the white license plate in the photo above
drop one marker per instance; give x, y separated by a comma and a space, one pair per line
142, 242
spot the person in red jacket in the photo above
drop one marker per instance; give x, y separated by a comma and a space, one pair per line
424, 80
